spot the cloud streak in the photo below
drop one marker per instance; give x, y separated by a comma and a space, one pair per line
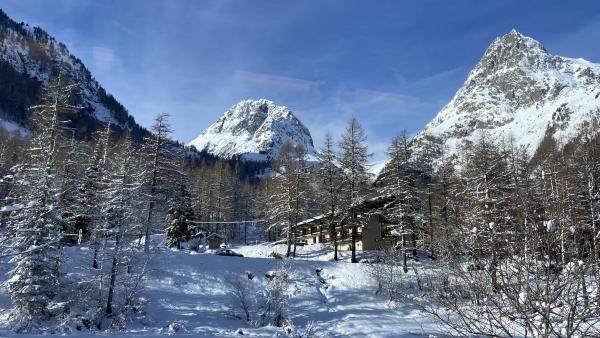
104, 59
276, 81
374, 96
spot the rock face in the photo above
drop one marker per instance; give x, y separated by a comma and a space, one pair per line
254, 130
29, 57
518, 90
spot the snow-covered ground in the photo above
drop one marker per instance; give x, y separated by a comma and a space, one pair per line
190, 289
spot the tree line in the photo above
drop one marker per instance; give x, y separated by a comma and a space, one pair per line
100, 201
510, 232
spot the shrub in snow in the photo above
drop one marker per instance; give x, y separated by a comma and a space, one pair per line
176, 327
387, 271
243, 296
308, 331
274, 296
250, 275
551, 225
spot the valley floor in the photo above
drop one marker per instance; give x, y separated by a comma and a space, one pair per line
188, 291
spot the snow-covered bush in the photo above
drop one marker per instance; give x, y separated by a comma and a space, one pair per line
273, 298
387, 271
243, 296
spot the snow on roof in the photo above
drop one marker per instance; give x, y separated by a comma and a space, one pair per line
364, 205
310, 220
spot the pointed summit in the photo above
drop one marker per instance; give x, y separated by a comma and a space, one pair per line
254, 130
513, 50
519, 90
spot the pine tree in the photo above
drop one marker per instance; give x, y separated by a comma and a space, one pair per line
222, 194
399, 177
70, 177
119, 191
90, 220
488, 187
330, 187
353, 162
158, 152
424, 165
37, 227
178, 226
287, 202
449, 207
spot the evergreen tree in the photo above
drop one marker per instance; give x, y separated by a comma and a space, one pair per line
178, 226
353, 162
119, 204
287, 200
399, 178
158, 152
37, 227
330, 187
488, 187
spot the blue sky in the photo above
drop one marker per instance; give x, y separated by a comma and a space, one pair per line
392, 64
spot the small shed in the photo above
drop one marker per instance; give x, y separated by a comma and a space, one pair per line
214, 241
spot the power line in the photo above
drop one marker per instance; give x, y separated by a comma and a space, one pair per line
230, 222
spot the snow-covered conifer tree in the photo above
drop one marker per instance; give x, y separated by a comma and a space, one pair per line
353, 162
158, 152
330, 187
287, 202
120, 206
37, 228
399, 181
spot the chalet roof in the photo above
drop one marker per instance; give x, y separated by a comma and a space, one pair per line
375, 204
313, 219
213, 235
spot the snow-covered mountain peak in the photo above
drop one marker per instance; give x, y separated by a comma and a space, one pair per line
255, 130
519, 90
511, 50
29, 58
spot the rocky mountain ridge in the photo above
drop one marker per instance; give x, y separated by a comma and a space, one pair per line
519, 91
29, 57
254, 130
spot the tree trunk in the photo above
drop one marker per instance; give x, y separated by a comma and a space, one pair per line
404, 264
111, 288
354, 235
113, 275
295, 242
148, 220
414, 239
431, 230
334, 237
289, 241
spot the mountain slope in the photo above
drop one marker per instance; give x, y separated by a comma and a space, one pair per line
29, 57
518, 90
254, 130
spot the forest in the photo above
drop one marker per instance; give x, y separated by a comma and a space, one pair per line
514, 238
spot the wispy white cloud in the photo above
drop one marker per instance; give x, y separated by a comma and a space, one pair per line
104, 59
276, 81
374, 96
443, 77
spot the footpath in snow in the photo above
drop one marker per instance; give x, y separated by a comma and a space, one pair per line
187, 295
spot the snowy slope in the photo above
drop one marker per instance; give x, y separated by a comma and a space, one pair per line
519, 90
12, 127
36, 55
375, 168
254, 130
190, 289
